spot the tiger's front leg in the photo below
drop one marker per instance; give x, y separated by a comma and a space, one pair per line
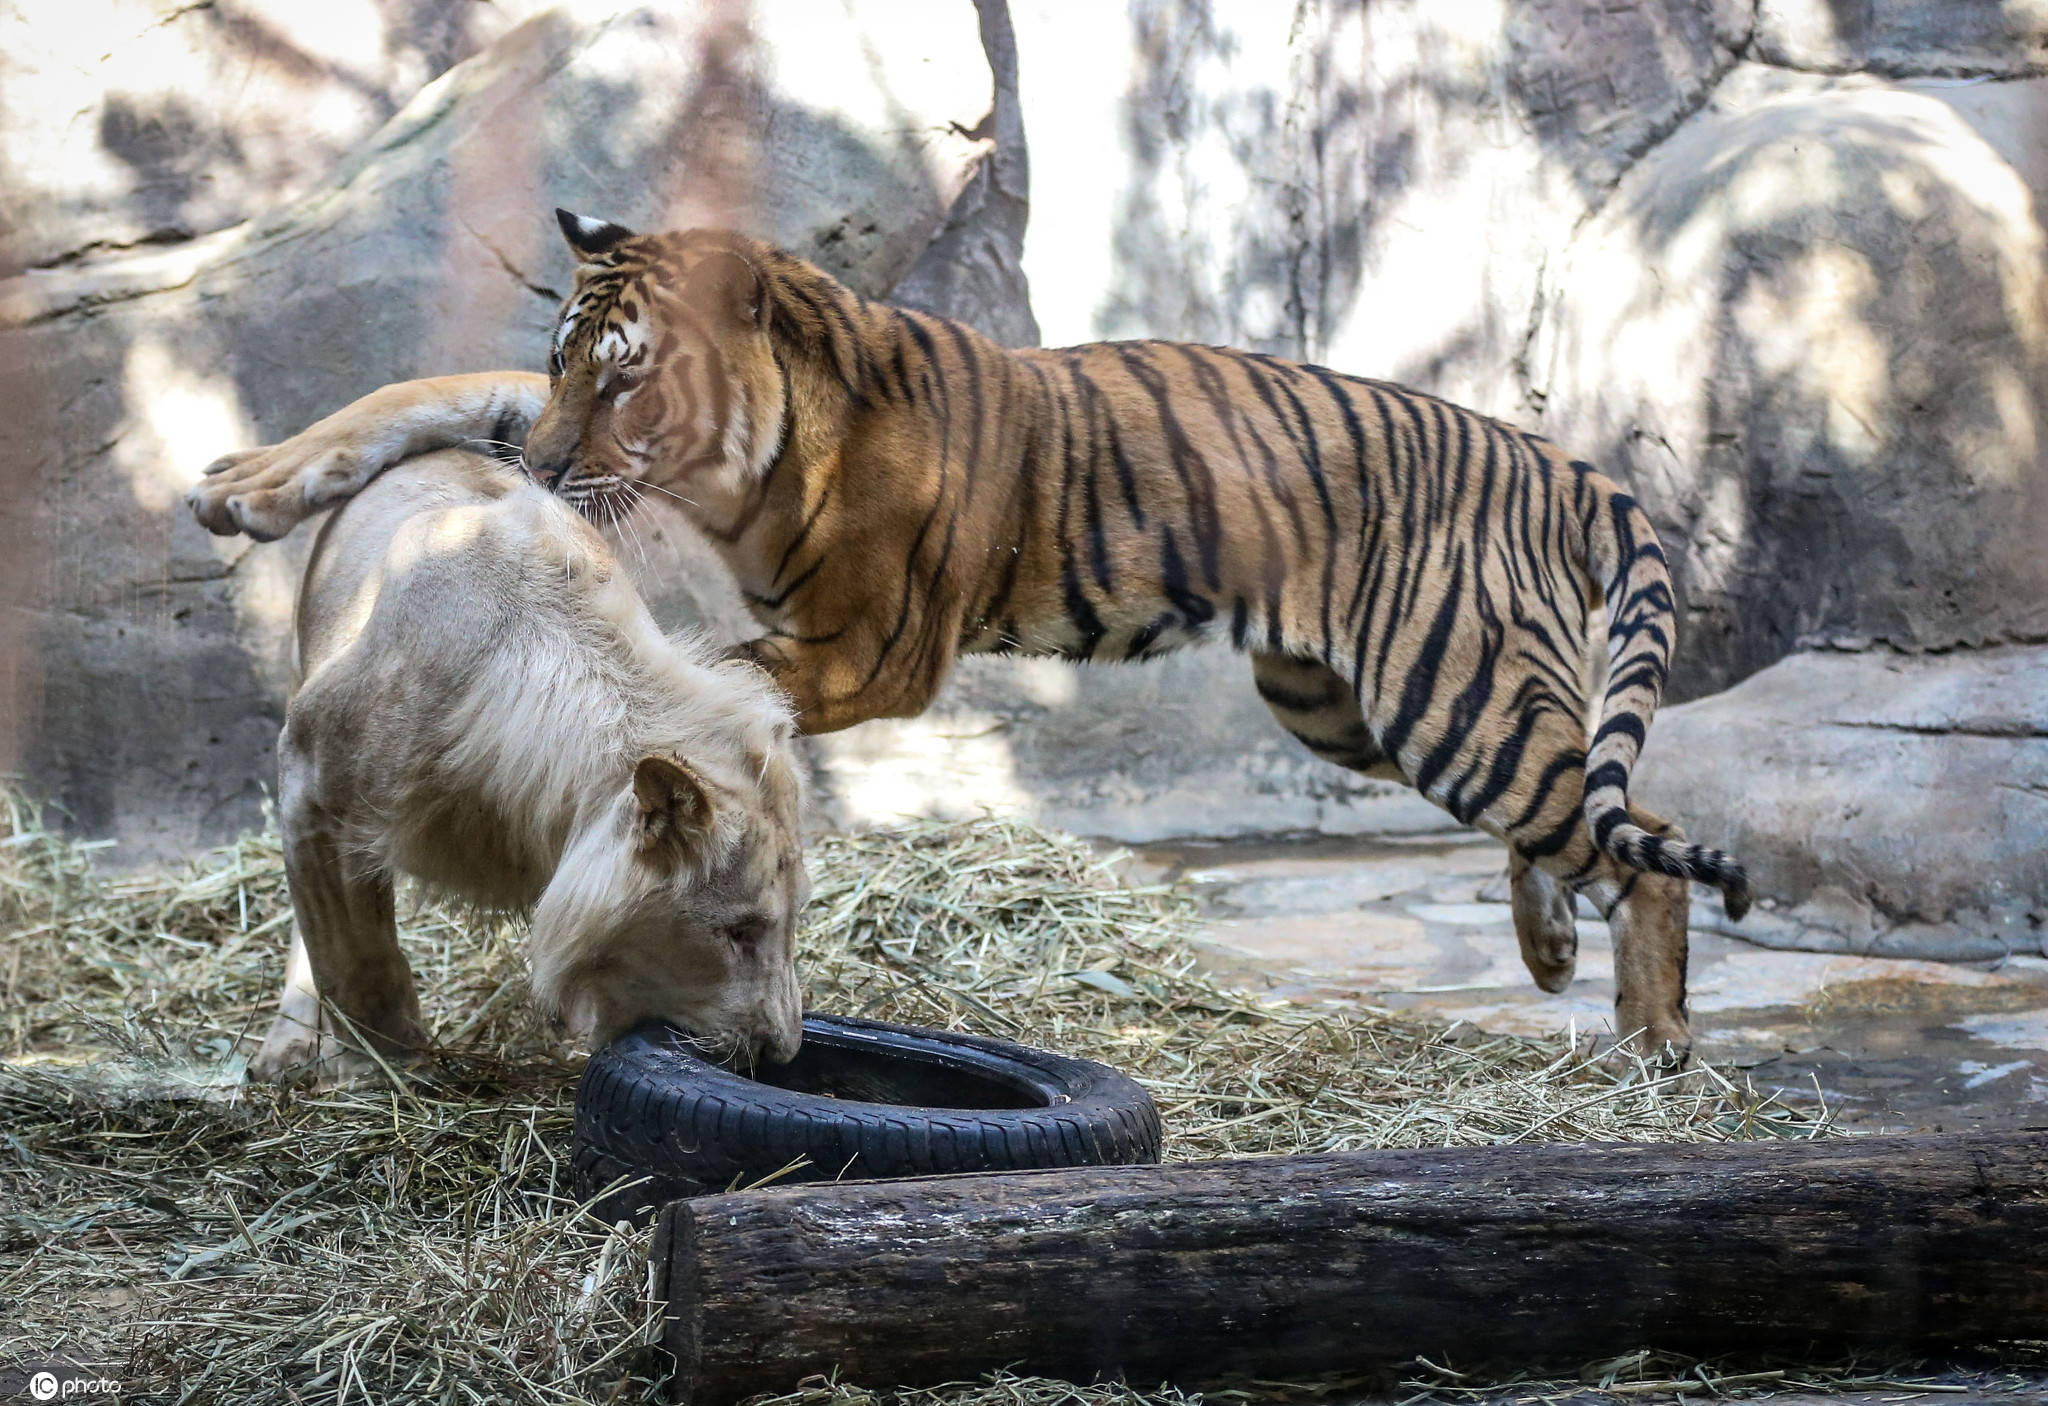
835, 685
267, 492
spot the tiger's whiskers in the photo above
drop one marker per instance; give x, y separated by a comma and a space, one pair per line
644, 486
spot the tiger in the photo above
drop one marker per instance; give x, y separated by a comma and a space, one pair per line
1425, 592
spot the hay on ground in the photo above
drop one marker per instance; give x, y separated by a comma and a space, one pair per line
214, 1241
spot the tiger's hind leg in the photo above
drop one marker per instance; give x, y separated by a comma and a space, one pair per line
1541, 816
1647, 914
1546, 923
1649, 920
1318, 708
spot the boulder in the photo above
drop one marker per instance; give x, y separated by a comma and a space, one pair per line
1887, 804
153, 669
1810, 329
1800, 313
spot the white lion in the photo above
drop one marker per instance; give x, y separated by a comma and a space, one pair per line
480, 699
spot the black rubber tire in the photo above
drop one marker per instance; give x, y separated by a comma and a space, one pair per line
650, 1108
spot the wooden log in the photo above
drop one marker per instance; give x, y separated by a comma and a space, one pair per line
1526, 1256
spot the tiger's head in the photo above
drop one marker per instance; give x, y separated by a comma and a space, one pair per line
662, 375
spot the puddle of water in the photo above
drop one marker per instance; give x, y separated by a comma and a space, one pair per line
1418, 923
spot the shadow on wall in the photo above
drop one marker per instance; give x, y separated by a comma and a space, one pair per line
1283, 264
1289, 172
146, 657
136, 126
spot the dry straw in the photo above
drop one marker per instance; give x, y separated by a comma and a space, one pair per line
210, 1241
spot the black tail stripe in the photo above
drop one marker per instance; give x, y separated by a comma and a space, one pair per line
1627, 724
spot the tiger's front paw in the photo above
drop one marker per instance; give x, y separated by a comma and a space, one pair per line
267, 492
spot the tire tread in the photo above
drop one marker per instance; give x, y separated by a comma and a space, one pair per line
693, 1128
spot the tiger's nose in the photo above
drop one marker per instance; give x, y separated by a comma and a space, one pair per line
548, 473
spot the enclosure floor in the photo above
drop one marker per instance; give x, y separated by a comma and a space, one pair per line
1423, 924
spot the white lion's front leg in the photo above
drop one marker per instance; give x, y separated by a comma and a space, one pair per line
267, 492
300, 1044
347, 983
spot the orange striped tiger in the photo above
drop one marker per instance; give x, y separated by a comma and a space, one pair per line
1424, 591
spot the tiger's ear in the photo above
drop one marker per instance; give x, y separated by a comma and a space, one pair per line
728, 284
675, 811
590, 240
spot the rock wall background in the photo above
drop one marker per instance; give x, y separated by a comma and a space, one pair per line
1777, 264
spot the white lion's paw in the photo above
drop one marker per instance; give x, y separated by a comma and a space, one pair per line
292, 1054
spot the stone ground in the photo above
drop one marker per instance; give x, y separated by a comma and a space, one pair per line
1422, 923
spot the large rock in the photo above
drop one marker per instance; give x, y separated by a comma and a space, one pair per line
1802, 315
154, 663
1811, 330
1889, 804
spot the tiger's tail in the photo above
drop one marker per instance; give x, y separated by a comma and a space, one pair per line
1625, 559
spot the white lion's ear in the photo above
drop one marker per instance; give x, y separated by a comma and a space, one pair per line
675, 811
590, 240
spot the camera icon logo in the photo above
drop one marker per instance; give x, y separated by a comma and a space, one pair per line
43, 1386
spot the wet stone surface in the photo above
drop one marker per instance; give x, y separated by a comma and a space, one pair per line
1423, 924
